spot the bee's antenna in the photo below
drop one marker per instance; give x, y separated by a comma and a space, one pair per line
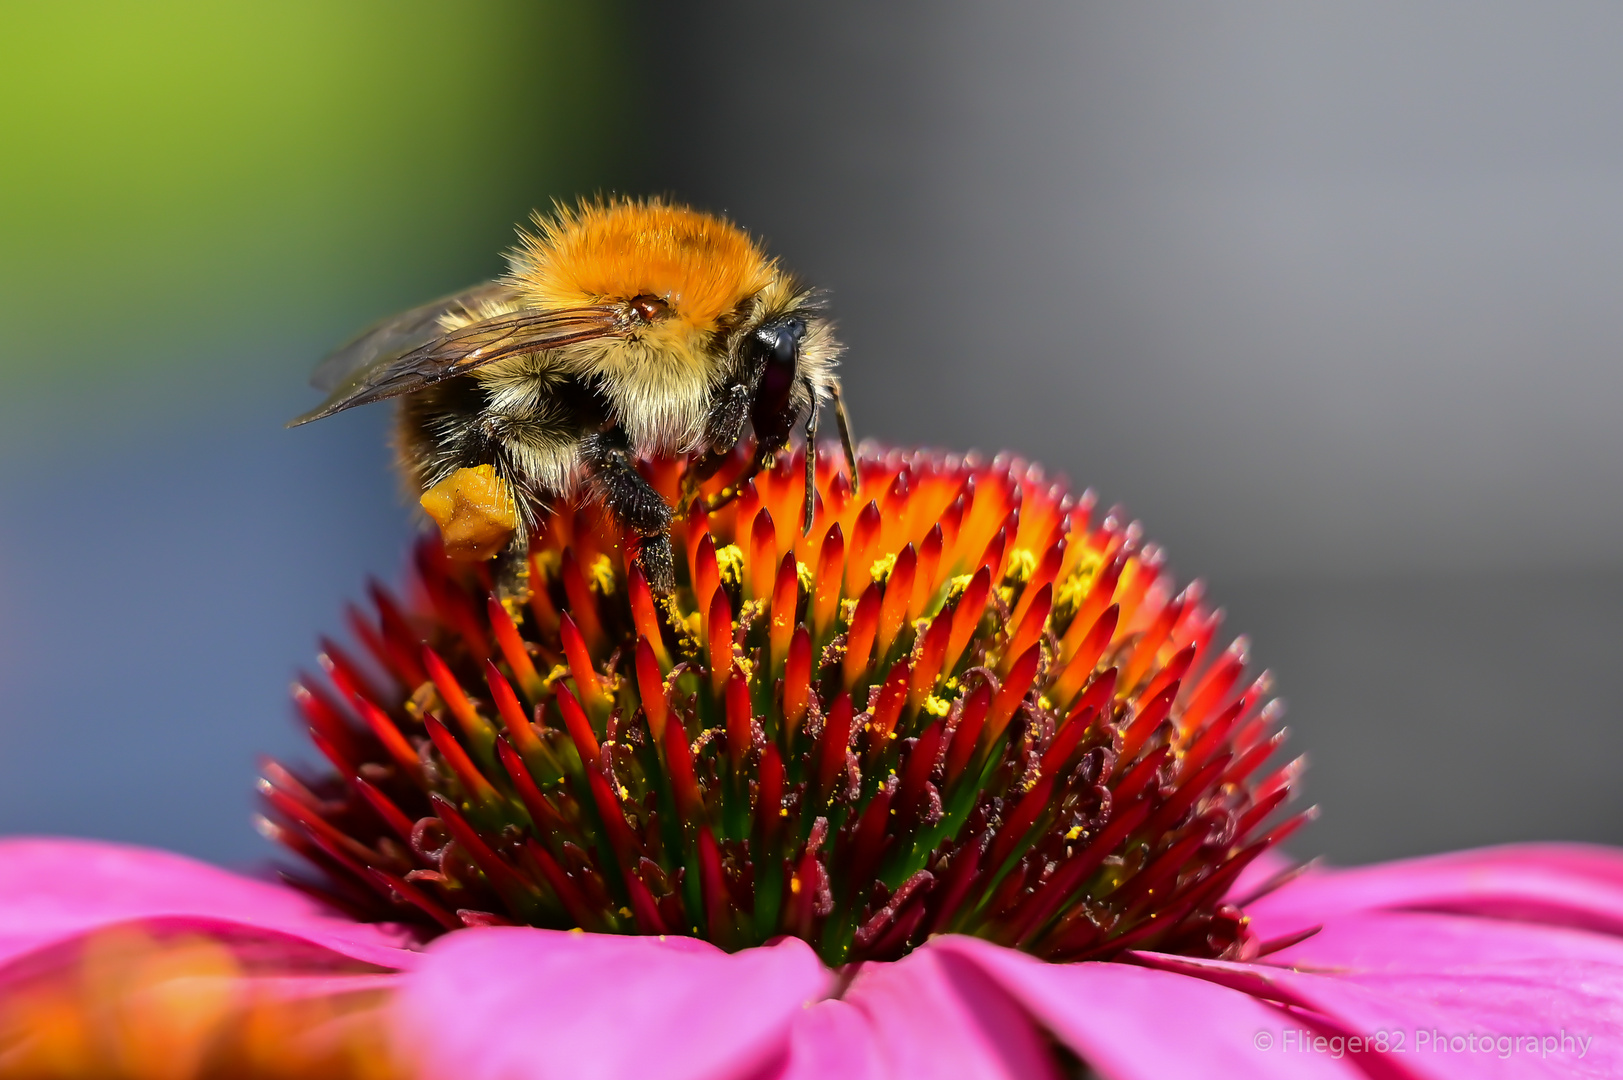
811, 458
845, 433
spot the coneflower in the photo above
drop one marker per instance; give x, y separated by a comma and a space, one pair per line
956, 704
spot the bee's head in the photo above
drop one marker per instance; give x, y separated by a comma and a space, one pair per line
787, 357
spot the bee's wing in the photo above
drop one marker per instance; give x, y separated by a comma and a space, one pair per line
447, 354
399, 334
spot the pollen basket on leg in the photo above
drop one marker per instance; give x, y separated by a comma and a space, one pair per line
958, 703
475, 510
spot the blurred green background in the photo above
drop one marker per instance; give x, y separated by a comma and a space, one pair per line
192, 186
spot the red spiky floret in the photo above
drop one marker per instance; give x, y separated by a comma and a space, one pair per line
956, 704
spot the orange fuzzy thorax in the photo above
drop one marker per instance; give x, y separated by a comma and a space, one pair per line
702, 265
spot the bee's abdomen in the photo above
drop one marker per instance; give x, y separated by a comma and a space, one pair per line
532, 440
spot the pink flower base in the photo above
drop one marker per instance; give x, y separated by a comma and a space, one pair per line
1504, 962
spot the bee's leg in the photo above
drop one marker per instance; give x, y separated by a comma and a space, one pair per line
734, 489
811, 459
614, 478
723, 427
513, 575
845, 433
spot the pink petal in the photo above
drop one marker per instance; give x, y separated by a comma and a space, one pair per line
1421, 941
517, 1003
1503, 978
1559, 884
52, 891
832, 1040
934, 1014
1259, 871
1132, 1023
1427, 978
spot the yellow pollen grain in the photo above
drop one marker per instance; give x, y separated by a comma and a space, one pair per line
881, 568
803, 574
1070, 593
1022, 564
848, 608
600, 575
794, 885
1074, 833
547, 562
730, 565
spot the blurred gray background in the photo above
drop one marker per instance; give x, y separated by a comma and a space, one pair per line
1328, 295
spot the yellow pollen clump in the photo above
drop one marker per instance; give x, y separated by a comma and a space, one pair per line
882, 566
475, 511
601, 576
936, 706
730, 565
956, 587
1070, 593
1022, 564
803, 575
545, 563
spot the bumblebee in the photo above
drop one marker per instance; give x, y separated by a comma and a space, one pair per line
623, 327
